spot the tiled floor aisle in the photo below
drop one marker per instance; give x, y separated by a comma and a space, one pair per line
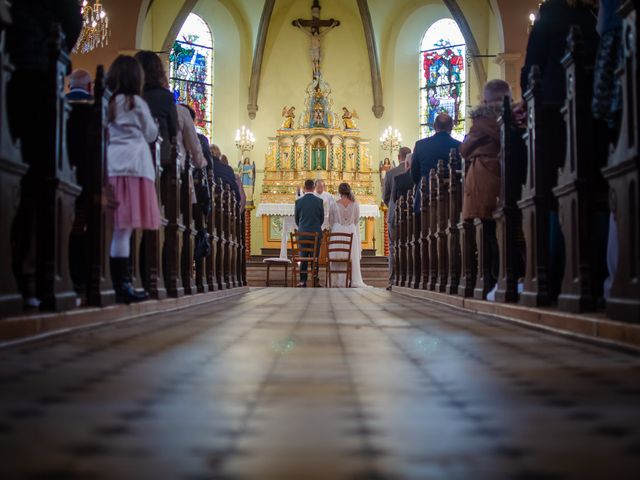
318, 384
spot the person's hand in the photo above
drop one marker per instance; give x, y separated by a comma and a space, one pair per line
520, 114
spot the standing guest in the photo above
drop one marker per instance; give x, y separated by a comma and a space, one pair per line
481, 150
309, 215
80, 85
428, 151
130, 168
546, 48
402, 183
607, 105
547, 44
224, 172
160, 99
187, 141
32, 21
391, 205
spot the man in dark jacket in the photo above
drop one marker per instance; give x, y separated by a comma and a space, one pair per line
309, 216
547, 46
428, 151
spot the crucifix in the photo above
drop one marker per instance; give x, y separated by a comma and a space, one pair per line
315, 29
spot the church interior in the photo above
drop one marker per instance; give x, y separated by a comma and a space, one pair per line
156, 321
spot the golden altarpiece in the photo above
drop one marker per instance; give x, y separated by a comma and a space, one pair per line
319, 145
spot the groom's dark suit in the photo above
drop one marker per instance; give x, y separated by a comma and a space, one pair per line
309, 216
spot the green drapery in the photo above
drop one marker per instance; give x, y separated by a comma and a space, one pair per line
319, 159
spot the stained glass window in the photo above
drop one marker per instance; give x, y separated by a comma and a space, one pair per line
442, 76
191, 70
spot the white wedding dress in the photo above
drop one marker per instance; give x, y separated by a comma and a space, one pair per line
347, 220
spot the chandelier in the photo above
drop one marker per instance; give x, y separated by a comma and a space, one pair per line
95, 27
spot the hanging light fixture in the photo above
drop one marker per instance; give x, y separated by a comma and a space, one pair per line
95, 27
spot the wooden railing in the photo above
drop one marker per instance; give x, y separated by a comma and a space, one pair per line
538, 176
75, 208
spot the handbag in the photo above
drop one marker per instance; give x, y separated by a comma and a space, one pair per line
202, 245
203, 192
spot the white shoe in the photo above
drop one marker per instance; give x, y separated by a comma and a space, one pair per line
491, 296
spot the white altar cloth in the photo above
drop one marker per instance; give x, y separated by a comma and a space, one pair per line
288, 210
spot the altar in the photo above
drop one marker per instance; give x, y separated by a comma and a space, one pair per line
318, 145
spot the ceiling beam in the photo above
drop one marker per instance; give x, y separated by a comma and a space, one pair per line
258, 55
472, 45
374, 62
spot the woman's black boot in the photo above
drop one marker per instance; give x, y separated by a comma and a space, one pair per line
125, 293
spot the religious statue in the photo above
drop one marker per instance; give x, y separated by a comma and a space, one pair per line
247, 171
289, 116
385, 166
318, 115
311, 28
348, 119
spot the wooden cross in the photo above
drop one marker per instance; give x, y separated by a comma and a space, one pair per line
313, 28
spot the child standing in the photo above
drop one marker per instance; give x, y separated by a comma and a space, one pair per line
130, 168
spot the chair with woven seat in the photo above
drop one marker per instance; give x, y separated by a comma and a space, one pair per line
304, 248
339, 257
277, 262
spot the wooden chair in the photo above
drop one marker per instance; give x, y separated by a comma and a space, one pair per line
304, 248
339, 254
323, 256
278, 262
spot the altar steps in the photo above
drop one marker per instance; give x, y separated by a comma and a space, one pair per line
375, 272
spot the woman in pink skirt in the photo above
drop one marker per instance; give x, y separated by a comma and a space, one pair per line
131, 170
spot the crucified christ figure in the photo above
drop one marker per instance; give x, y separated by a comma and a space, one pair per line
315, 35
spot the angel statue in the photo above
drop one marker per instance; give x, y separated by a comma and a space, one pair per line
348, 119
289, 115
247, 171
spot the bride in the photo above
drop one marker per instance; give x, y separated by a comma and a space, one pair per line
344, 217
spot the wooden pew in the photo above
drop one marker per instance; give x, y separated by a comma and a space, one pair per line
151, 252
534, 205
485, 230
57, 186
623, 175
187, 271
396, 246
578, 183
233, 240
95, 207
424, 234
455, 210
416, 245
433, 230
199, 264
508, 216
442, 200
242, 248
12, 169
175, 228
221, 236
410, 221
210, 263
402, 241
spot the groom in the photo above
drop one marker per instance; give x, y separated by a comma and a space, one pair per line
309, 216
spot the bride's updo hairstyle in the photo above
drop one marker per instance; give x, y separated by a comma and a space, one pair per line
345, 191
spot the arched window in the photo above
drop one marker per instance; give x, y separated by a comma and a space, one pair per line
442, 76
191, 70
